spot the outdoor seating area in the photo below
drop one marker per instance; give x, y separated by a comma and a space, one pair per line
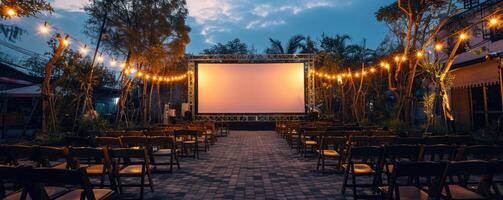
113, 160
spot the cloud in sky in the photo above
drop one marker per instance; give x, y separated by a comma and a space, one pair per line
70, 5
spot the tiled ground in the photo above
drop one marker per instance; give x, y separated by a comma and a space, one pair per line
247, 165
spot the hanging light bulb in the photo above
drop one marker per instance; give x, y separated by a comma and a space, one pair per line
439, 47
66, 41
463, 36
44, 29
123, 65
113, 63
372, 70
419, 54
100, 58
10, 12
84, 50
139, 74
494, 21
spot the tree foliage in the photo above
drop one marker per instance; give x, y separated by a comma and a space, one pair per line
23, 8
234, 46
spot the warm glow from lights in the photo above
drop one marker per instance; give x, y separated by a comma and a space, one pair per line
463, 36
113, 63
122, 65
100, 59
44, 29
147, 76
139, 74
397, 58
439, 47
10, 12
387, 66
66, 41
493, 21
83, 50
126, 71
372, 70
419, 54
403, 58
357, 75
383, 64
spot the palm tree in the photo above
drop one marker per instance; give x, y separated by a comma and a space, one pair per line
293, 45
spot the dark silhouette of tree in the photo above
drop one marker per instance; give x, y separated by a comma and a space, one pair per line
231, 47
293, 45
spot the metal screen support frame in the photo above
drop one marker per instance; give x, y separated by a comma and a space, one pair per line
307, 59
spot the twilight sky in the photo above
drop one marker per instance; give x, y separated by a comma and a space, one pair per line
253, 21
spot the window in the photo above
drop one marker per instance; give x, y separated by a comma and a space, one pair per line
486, 106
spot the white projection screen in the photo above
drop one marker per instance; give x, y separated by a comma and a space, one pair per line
250, 88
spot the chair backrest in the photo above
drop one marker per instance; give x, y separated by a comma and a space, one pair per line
111, 142
128, 153
382, 140
60, 178
134, 133
116, 133
328, 141
153, 133
134, 141
78, 141
393, 153
433, 140
437, 152
185, 132
365, 154
357, 140
25, 152
410, 140
468, 167
48, 153
89, 155
478, 152
415, 170
461, 139
162, 141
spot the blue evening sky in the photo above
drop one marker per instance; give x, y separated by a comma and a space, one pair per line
253, 21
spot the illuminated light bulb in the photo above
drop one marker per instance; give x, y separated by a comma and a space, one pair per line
383, 64
66, 41
493, 21
147, 76
403, 58
126, 71
132, 70
357, 75
154, 78
123, 65
419, 54
439, 46
372, 70
44, 29
463, 36
364, 73
387, 66
100, 59
83, 50
139, 74
113, 63
10, 12
397, 58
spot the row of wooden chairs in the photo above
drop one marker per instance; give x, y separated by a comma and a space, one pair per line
51, 183
376, 161
106, 164
444, 180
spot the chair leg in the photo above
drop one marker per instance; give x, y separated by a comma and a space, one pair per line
345, 181
323, 165
353, 180
142, 183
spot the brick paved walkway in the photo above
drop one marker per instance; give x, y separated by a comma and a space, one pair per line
247, 165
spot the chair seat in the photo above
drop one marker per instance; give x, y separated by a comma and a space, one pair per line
408, 193
310, 142
161, 152
51, 192
94, 169
361, 168
98, 194
331, 153
59, 165
131, 169
189, 142
459, 192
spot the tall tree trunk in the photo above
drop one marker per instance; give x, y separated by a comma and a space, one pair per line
47, 108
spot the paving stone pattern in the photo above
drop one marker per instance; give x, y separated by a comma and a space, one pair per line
247, 165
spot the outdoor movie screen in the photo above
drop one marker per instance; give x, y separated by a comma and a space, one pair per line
250, 88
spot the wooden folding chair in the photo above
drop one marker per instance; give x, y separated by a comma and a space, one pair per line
109, 142
75, 178
477, 152
309, 140
412, 187
54, 157
396, 153
164, 146
96, 162
188, 141
437, 152
462, 187
496, 179
330, 146
362, 161
132, 163
22, 155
